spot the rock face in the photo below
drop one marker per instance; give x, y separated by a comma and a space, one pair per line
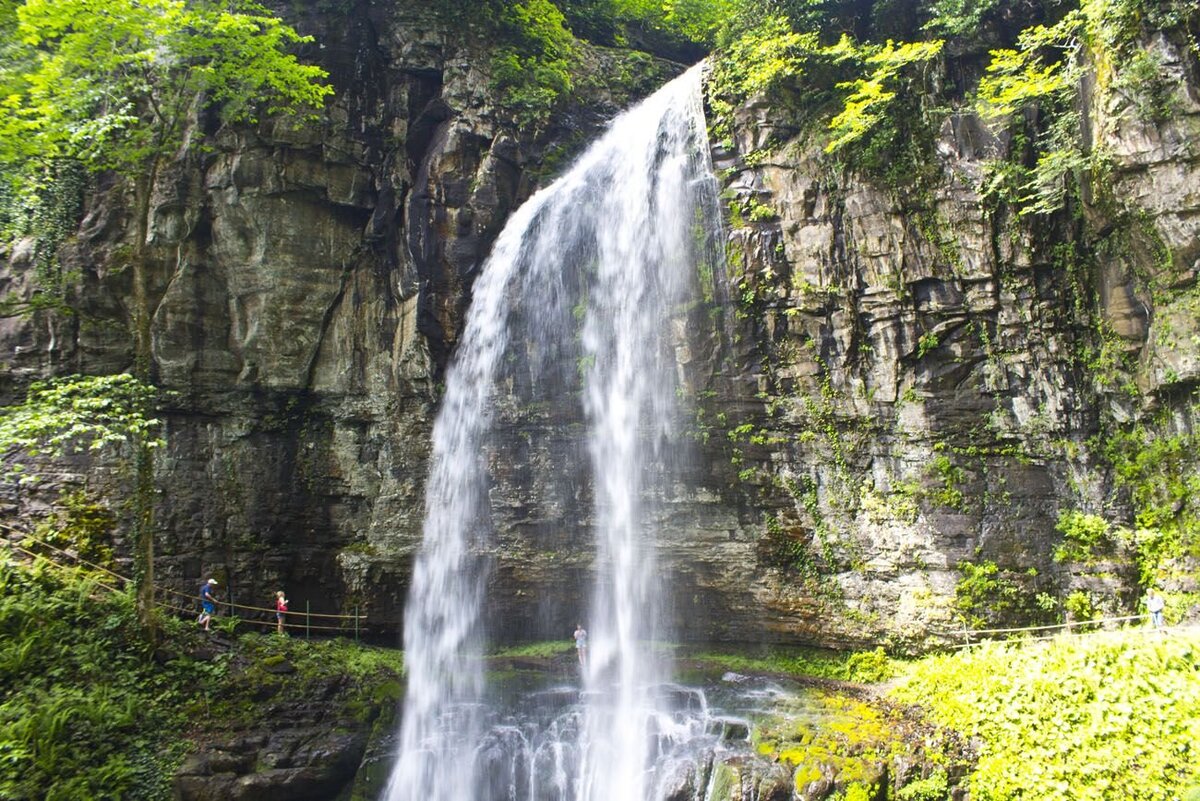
307, 288
939, 382
899, 384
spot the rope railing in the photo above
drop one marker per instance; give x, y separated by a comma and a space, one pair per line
356, 619
1068, 627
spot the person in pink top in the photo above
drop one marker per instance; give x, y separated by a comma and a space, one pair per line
280, 610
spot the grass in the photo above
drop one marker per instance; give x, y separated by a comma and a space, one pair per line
536, 650
856, 666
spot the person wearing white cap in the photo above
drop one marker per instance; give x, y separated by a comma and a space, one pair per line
208, 603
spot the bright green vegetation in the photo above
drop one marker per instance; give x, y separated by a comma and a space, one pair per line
74, 413
1113, 715
536, 57
854, 738
988, 596
863, 666
86, 711
866, 80
537, 650
89, 86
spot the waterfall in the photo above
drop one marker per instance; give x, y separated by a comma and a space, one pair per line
587, 292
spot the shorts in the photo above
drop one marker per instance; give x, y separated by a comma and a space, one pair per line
209, 607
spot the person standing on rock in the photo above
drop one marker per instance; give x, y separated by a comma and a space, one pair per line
280, 610
208, 603
581, 644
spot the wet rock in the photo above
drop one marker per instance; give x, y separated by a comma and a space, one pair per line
286, 765
679, 782
730, 728
775, 784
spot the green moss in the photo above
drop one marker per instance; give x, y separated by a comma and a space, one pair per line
845, 736
866, 666
805, 775
545, 649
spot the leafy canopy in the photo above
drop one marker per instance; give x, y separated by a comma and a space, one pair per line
76, 413
112, 84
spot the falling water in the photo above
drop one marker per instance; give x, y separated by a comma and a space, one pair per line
587, 290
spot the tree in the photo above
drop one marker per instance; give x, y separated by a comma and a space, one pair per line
84, 413
77, 413
114, 85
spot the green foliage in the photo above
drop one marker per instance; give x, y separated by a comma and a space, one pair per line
989, 597
959, 18
786, 545
85, 713
818, 732
950, 476
1080, 606
81, 523
77, 719
1029, 72
532, 67
115, 85
870, 666
1083, 534
666, 26
927, 342
862, 666
71, 414
935, 787
1159, 474
870, 96
1086, 718
112, 84
539, 650
47, 212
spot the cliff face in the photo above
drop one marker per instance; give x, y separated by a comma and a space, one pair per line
939, 381
905, 382
307, 286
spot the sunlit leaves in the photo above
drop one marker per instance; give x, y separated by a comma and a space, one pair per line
1114, 716
768, 53
1018, 76
112, 83
77, 413
115, 85
871, 95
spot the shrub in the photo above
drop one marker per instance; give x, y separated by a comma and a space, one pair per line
1083, 534
1072, 719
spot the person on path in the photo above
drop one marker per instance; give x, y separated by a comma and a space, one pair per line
208, 603
581, 644
1155, 605
280, 610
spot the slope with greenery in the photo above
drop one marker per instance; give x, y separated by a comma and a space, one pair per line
1105, 716
89, 710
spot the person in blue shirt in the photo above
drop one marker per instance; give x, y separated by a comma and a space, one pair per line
208, 603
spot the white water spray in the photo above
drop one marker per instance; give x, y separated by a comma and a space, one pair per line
589, 281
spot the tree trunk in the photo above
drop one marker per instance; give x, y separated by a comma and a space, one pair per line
143, 492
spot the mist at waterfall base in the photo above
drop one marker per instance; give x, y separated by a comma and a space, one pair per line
584, 302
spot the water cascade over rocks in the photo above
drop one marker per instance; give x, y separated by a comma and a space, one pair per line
587, 290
